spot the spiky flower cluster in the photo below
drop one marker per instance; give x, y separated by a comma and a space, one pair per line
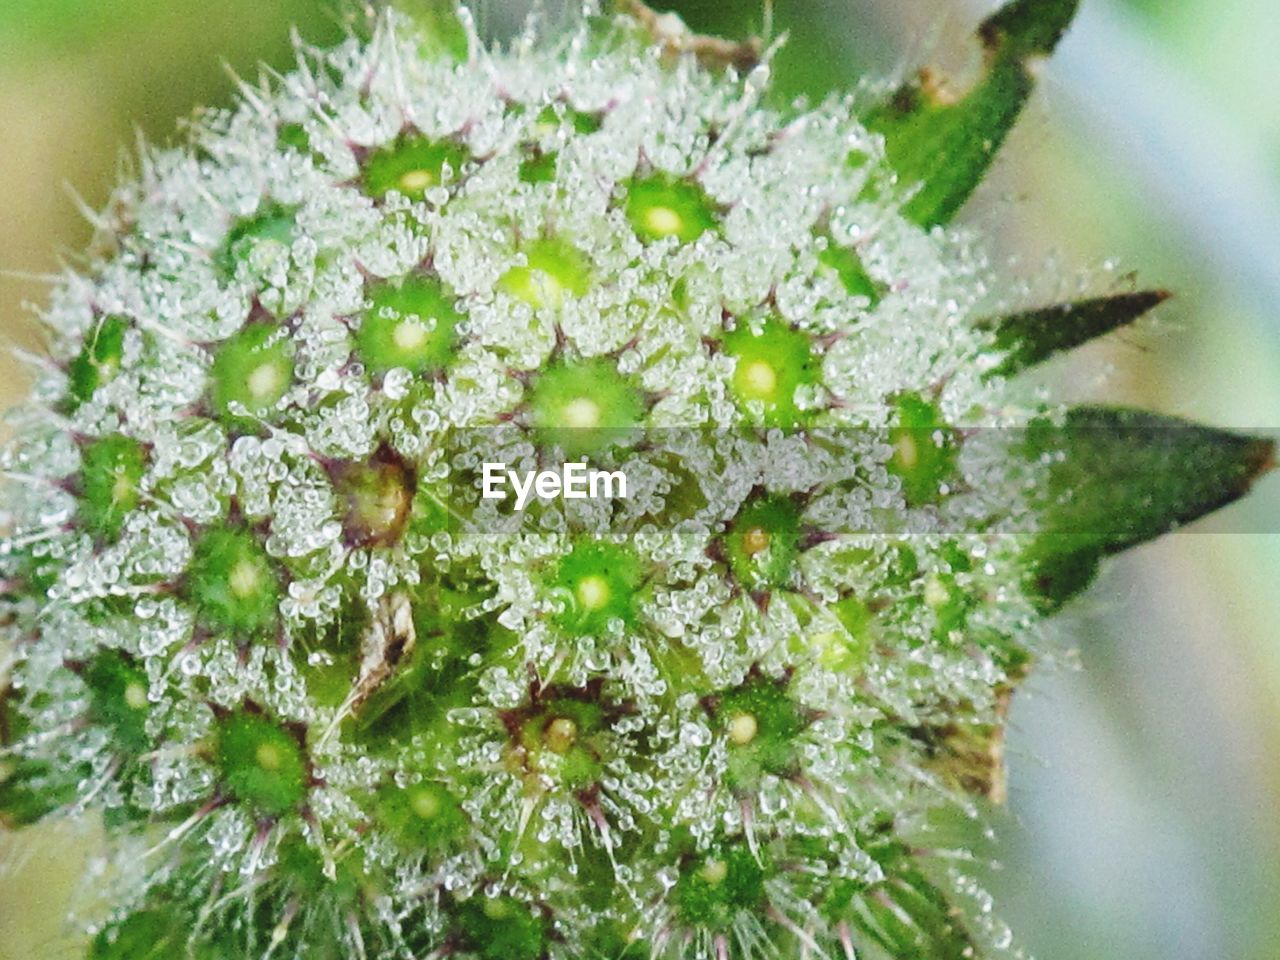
335, 703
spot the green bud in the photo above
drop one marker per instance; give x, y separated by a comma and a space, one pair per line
501, 928
763, 543
272, 224
925, 451
411, 324
253, 369
715, 886
413, 165
260, 763
769, 365
110, 479
760, 722
661, 206
565, 738
233, 583
555, 270
585, 406
118, 699
598, 582
422, 817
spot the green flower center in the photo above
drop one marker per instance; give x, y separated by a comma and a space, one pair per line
555, 270
413, 165
261, 763
713, 889
743, 728
501, 928
758, 381
110, 476
233, 583
252, 371
762, 543
924, 450
560, 735
770, 363
421, 816
593, 593
601, 580
118, 698
412, 324
413, 182
761, 723
585, 406
661, 206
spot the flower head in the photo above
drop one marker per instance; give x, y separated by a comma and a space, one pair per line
345, 704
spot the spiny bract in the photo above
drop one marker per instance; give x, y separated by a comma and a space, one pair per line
334, 703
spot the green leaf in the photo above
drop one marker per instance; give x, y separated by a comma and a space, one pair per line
443, 33
30, 790
1033, 336
907, 915
945, 146
150, 934
1122, 477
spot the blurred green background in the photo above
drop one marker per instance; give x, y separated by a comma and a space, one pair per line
1144, 820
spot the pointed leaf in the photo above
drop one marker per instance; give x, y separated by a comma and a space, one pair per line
1122, 477
944, 146
1033, 336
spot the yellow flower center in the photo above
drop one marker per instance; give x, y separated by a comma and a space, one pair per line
759, 379
755, 540
906, 451
663, 221
410, 334
426, 805
714, 872
135, 696
268, 757
416, 181
245, 579
743, 729
122, 489
561, 734
582, 413
264, 381
593, 592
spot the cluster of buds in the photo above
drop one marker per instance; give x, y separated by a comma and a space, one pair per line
335, 700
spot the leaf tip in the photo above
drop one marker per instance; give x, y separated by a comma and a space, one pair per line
1027, 28
1262, 462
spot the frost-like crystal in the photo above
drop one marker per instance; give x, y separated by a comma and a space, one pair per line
370, 713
